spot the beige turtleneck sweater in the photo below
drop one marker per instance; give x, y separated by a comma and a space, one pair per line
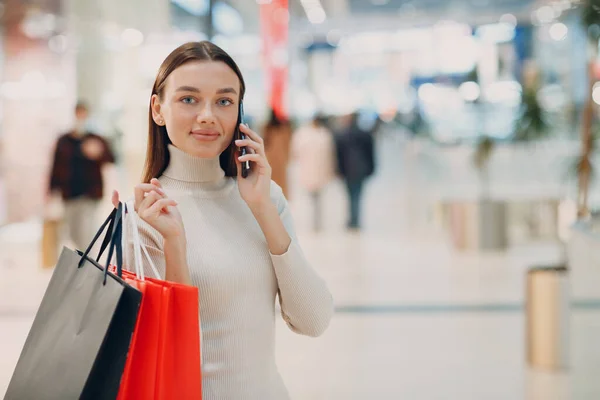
238, 280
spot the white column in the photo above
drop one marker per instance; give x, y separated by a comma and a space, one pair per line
34, 108
120, 45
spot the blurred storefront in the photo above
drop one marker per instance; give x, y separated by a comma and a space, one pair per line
106, 54
457, 71
36, 88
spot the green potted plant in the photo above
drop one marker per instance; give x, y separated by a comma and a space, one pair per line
532, 123
490, 227
481, 157
480, 224
530, 126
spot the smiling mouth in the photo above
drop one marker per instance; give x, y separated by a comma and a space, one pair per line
205, 135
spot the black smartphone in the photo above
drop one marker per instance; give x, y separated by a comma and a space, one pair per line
243, 149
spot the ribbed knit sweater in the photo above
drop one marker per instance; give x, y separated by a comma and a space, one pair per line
238, 280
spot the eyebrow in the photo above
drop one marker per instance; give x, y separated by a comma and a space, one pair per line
196, 90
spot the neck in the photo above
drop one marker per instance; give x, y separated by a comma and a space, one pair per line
187, 168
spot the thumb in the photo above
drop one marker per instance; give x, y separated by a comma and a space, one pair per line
115, 198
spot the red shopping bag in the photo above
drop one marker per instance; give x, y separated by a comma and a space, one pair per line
179, 374
164, 357
139, 376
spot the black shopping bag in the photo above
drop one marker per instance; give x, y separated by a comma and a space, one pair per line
78, 344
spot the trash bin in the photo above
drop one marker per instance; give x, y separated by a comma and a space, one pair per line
478, 225
547, 317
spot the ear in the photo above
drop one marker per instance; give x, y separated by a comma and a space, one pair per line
156, 110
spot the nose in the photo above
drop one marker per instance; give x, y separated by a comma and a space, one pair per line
206, 114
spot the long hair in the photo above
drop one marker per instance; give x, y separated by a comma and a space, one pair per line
157, 153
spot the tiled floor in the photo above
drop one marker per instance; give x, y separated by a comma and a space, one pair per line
405, 326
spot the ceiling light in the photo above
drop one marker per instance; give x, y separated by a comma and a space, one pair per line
509, 19
496, 33
132, 37
596, 94
558, 31
545, 14
469, 91
316, 15
314, 11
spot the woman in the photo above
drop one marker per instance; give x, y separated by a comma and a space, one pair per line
232, 237
313, 149
277, 135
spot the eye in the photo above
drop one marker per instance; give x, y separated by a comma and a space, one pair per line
188, 100
225, 102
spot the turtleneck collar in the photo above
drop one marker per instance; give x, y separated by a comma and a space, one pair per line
186, 168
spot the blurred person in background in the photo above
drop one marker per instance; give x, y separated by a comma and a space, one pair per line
356, 162
313, 148
76, 177
277, 135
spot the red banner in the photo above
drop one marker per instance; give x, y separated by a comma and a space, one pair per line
274, 18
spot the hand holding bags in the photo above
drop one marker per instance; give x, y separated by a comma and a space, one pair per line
96, 336
164, 359
79, 340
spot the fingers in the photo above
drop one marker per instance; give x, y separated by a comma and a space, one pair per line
253, 141
141, 190
151, 198
253, 135
115, 198
138, 193
257, 147
160, 205
238, 164
260, 160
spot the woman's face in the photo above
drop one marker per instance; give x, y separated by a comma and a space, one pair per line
199, 107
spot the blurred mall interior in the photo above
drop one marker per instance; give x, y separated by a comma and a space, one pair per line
472, 275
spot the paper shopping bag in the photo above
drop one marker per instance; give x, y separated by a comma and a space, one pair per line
80, 337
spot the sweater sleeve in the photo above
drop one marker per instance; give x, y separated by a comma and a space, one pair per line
306, 303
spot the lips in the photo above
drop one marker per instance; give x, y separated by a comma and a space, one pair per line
205, 134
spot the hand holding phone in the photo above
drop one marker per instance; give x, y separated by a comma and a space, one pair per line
243, 149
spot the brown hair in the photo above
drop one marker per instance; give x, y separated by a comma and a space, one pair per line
157, 153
